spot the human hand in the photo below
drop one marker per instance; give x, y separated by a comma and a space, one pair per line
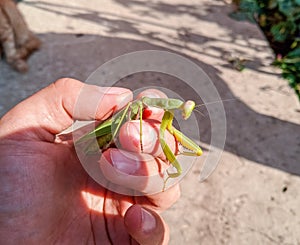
47, 197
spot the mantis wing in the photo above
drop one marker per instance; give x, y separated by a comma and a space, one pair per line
111, 125
101, 130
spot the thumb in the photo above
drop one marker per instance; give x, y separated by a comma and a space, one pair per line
55, 107
146, 226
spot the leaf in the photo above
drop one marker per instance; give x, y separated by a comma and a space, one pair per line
102, 129
286, 7
295, 15
250, 6
297, 2
294, 53
282, 30
273, 4
294, 44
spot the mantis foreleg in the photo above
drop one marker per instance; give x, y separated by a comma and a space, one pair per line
181, 138
186, 142
166, 123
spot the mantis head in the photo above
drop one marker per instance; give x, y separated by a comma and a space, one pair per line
187, 109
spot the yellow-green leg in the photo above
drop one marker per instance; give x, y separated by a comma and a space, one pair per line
166, 123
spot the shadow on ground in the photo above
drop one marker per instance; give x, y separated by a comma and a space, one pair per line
186, 37
259, 138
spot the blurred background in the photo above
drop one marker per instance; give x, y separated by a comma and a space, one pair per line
253, 197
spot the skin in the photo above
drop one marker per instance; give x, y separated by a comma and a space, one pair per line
47, 197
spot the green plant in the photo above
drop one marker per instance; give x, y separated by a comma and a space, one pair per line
279, 20
290, 66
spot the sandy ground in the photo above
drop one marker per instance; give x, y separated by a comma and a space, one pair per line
253, 197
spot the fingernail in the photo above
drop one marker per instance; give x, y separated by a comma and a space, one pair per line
116, 90
123, 95
152, 93
124, 162
148, 221
123, 99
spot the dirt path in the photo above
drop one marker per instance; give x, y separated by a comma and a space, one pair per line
253, 197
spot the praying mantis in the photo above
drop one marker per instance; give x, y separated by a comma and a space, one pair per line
107, 131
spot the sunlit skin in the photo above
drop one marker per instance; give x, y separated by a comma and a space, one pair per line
136, 109
47, 197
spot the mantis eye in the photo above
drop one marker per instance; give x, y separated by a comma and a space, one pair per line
187, 109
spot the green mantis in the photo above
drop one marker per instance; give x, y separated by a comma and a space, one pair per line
108, 130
